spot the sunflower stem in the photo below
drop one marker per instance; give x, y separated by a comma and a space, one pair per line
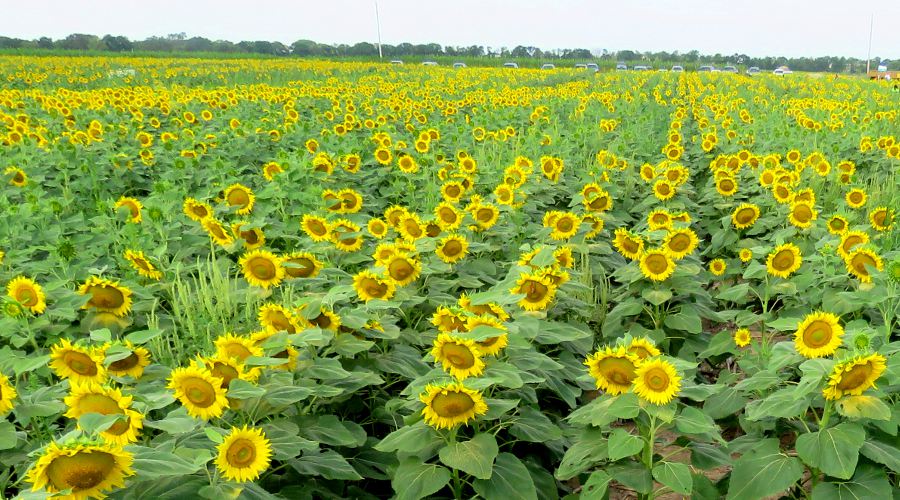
826, 413
457, 483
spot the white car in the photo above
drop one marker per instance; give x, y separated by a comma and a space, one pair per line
548, 66
458, 65
621, 67
429, 63
678, 69
580, 66
397, 62
592, 67
729, 69
752, 70
510, 65
705, 69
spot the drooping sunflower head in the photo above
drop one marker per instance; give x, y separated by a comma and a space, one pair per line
854, 376
131, 365
95, 398
106, 296
28, 294
447, 216
452, 248
7, 395
199, 392
196, 210
630, 245
656, 381
317, 228
563, 256
599, 201
656, 264
301, 265
784, 260
244, 454
818, 335
276, 318
394, 214
613, 369
458, 356
262, 268
133, 206
447, 320
538, 291
860, 263
744, 215
326, 320
271, 169
239, 197
88, 470
140, 263
447, 406
17, 176
882, 218
643, 348
679, 243
217, 231
595, 222
351, 201
850, 240
370, 286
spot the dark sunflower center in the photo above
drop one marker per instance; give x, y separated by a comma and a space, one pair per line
200, 211
837, 224
619, 371
860, 261
726, 185
27, 297
855, 378
802, 213
565, 224
817, 334
317, 228
657, 379
199, 392
125, 364
657, 264
281, 322
452, 404
856, 197
80, 363
745, 215
679, 243
262, 268
400, 269
235, 350
459, 356
304, 268
452, 248
534, 291
851, 242
879, 217
81, 471
106, 297
412, 228
453, 191
484, 215
630, 245
447, 215
225, 372
374, 288
663, 189
241, 453
783, 260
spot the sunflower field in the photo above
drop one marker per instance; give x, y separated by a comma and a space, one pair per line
299, 279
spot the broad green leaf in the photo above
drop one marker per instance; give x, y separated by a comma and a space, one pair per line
632, 475
329, 430
151, 463
94, 423
622, 444
781, 404
676, 476
414, 480
534, 426
737, 293
589, 448
685, 320
656, 297
241, 389
863, 407
8, 436
869, 482
410, 438
596, 486
328, 464
763, 472
760, 381
143, 336
725, 403
834, 450
693, 421
784, 324
878, 451
475, 457
511, 479
606, 409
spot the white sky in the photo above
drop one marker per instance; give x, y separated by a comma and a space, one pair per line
756, 28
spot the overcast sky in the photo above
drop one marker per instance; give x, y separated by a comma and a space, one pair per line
756, 28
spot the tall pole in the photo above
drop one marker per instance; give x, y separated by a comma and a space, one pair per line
869, 52
378, 24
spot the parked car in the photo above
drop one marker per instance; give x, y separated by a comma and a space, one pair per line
641, 68
730, 69
621, 67
548, 66
580, 65
592, 67
753, 70
705, 68
458, 65
397, 61
510, 65
782, 70
678, 68
429, 63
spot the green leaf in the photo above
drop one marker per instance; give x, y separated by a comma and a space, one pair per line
785, 324
588, 449
760, 381
693, 421
511, 479
596, 486
533, 426
8, 436
29, 364
763, 472
725, 403
656, 297
475, 457
878, 451
328, 464
410, 439
676, 476
834, 450
143, 336
686, 320
176, 422
606, 409
329, 430
213, 435
863, 407
868, 482
151, 463
94, 423
241, 389
414, 480
622, 444
632, 475
781, 404
737, 293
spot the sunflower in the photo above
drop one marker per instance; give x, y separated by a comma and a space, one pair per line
326, 320
802, 214
659, 219
613, 369
656, 264
262, 268
369, 286
744, 215
77, 363
94, 398
745, 255
564, 224
199, 391
446, 320
784, 260
196, 210
882, 218
383, 156
228, 369
350, 201
411, 227
648, 172
452, 248
679, 243
856, 198
315, 227
28, 294
7, 394
663, 190
630, 245
133, 206
485, 215
493, 345
854, 376
132, 365
86, 470
782, 193
142, 265
271, 169
837, 224
106, 296
458, 356
301, 265
490, 308
17, 178
599, 201
241, 197
726, 186
717, 267
402, 268
563, 256
452, 404
742, 337
253, 237
377, 227
407, 164
860, 261
538, 291
217, 231
276, 318
244, 454
596, 225
643, 348
235, 346
452, 191
850, 239
818, 335
656, 381
505, 194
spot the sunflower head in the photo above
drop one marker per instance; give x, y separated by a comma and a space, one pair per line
131, 365
140, 263
717, 267
744, 215
377, 227
742, 337
882, 218
458, 356
679, 243
854, 376
856, 198
370, 286
849, 240
79, 364
656, 381
447, 320
452, 248
235, 346
196, 210
244, 454
447, 406
784, 260
28, 294
301, 265
643, 348
837, 224
802, 214
262, 268
94, 398
818, 335
239, 197
656, 264
132, 206
106, 296
613, 368
860, 263
538, 291
317, 228
87, 469
630, 245
7, 395
199, 391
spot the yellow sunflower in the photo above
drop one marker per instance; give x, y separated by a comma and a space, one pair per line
402, 268
802, 214
228, 369
596, 225
564, 225
350, 201
493, 345
452, 248
818, 335
643, 348
18, 177
538, 291
271, 169
679, 243
132, 365
717, 267
86, 470
656, 381
446, 406
217, 231
411, 227
106, 296
744, 215
742, 337
837, 224
317, 228
854, 376
663, 190
447, 321
485, 215
244, 454
447, 216
133, 206
262, 268
458, 356
276, 318
140, 263
656, 264
881, 218
630, 245
240, 197
199, 392
745, 255
599, 201
849, 240
726, 186
326, 320
856, 198
860, 262
659, 219
784, 260
79, 364
94, 398
7, 395
196, 210
253, 237
301, 265
613, 369
236, 346
377, 227
491, 308
346, 236
28, 294
370, 286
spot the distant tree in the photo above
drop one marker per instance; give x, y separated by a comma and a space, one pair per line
627, 55
199, 44
305, 48
363, 49
116, 43
11, 43
44, 43
581, 54
79, 41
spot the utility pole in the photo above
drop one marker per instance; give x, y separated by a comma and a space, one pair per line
869, 52
378, 25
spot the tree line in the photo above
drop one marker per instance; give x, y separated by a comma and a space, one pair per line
180, 42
